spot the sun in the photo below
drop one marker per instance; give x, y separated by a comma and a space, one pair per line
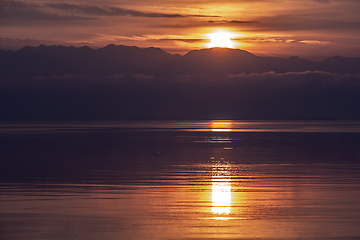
220, 39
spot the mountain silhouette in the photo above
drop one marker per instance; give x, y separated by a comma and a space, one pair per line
118, 59
58, 83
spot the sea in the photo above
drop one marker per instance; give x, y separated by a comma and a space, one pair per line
180, 180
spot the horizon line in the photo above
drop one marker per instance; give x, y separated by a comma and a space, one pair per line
154, 47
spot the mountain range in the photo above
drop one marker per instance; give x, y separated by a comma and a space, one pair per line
110, 60
57, 83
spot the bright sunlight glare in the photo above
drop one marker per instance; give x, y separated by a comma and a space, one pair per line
220, 39
221, 195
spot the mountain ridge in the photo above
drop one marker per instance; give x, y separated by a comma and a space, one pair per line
58, 83
121, 59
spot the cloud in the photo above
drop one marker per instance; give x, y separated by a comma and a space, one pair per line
287, 40
274, 75
114, 11
185, 40
266, 39
143, 77
232, 22
211, 23
322, 1
16, 5
313, 42
17, 40
28, 15
20, 11
309, 21
311, 79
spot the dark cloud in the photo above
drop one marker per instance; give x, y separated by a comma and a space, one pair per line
322, 1
28, 15
260, 39
197, 24
232, 22
5, 5
186, 40
287, 40
114, 11
143, 77
20, 11
300, 79
17, 40
303, 22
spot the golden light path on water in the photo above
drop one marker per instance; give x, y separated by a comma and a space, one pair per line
221, 177
221, 190
221, 125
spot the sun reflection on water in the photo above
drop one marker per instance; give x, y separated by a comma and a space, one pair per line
221, 125
221, 190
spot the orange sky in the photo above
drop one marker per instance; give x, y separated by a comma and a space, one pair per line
312, 29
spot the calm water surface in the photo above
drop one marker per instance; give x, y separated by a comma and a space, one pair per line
180, 180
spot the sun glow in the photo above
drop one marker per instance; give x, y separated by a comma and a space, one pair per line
221, 195
221, 39
221, 125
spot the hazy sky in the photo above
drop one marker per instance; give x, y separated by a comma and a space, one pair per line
306, 28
